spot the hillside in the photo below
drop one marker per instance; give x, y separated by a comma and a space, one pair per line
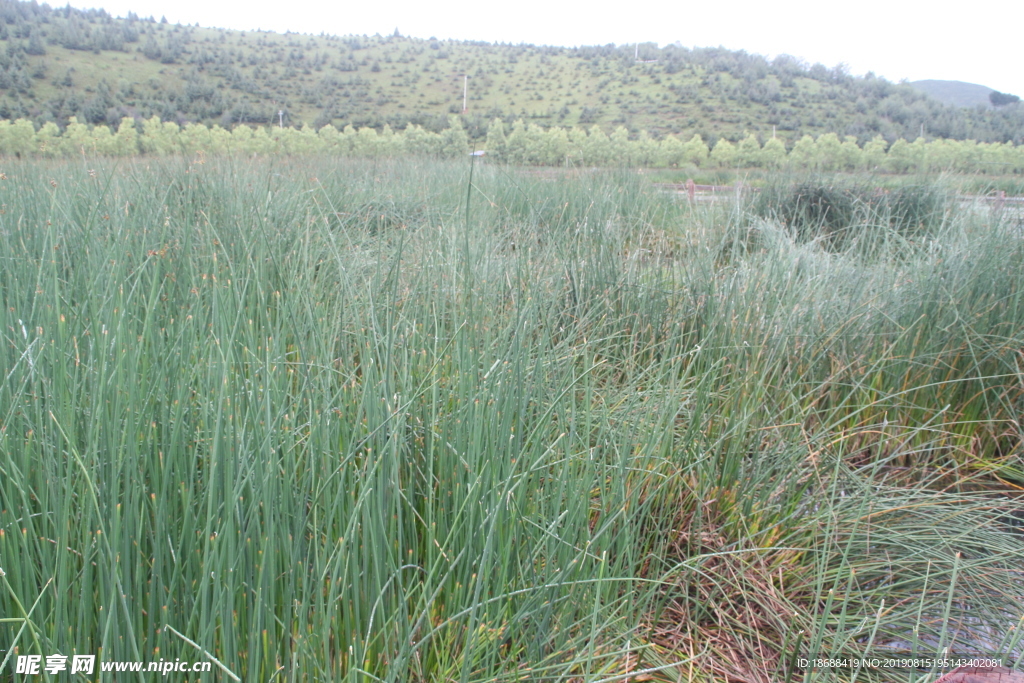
955, 93
58, 63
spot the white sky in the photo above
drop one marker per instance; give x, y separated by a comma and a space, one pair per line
978, 42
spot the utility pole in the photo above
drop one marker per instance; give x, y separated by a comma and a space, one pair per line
465, 92
280, 117
636, 53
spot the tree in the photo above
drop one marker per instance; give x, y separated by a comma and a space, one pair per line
724, 154
103, 141
17, 138
419, 141
391, 144
900, 157
35, 45
577, 145
454, 141
646, 149
622, 152
804, 153
774, 153
749, 153
329, 138
366, 143
496, 141
671, 151
695, 151
48, 141
515, 144
850, 154
555, 144
828, 152
126, 140
874, 152
598, 149
999, 99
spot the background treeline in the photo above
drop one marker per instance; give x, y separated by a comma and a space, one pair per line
61, 63
521, 144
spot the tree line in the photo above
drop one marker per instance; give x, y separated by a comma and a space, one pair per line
521, 144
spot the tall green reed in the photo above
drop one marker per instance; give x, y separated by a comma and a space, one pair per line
264, 406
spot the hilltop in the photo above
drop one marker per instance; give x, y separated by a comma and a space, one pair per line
59, 63
955, 93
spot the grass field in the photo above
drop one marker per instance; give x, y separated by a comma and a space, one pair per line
328, 422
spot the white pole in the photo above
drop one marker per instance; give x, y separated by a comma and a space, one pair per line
465, 92
280, 117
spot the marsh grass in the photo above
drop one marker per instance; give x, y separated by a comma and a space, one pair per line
842, 212
314, 420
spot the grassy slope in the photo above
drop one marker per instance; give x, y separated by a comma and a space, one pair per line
228, 76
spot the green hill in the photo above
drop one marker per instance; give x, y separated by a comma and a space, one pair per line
59, 63
955, 93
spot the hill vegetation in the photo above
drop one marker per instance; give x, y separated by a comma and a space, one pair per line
955, 93
59, 63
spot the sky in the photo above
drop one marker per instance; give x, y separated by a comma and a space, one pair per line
895, 39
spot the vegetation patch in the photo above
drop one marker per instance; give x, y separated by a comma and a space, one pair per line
329, 422
840, 213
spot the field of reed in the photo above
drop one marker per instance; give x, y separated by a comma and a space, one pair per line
366, 421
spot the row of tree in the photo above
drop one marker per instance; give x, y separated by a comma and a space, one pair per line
521, 145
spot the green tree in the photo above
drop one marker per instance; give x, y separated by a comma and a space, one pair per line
391, 145
874, 152
999, 99
454, 140
304, 141
195, 137
366, 143
724, 154
598, 150
103, 141
516, 147
696, 150
496, 141
749, 153
623, 152
827, 152
420, 142
48, 141
556, 145
671, 151
804, 153
904, 156
17, 138
774, 153
161, 137
850, 154
647, 149
577, 145
329, 138
126, 140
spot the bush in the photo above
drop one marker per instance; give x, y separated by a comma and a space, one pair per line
838, 213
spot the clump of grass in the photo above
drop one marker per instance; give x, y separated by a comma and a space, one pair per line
841, 213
